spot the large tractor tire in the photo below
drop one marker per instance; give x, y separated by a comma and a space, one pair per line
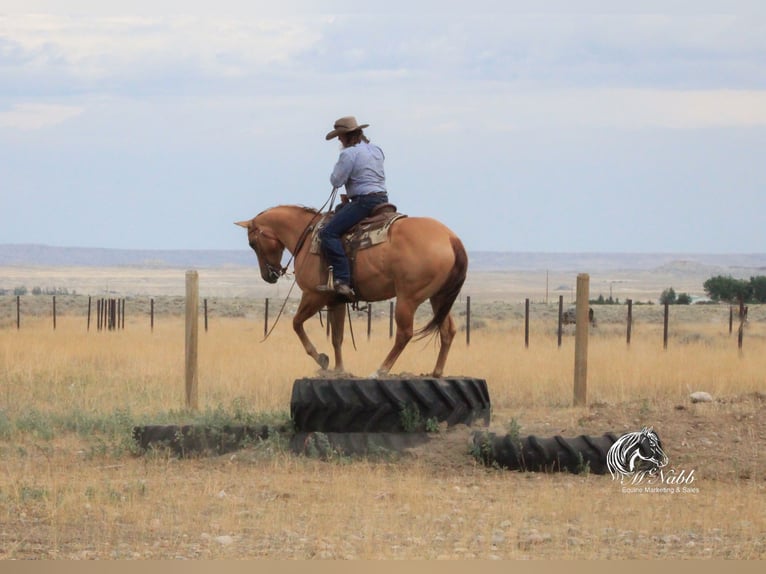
387, 405
556, 454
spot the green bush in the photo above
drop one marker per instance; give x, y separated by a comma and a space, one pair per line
726, 288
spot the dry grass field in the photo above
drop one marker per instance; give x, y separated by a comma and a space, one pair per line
73, 486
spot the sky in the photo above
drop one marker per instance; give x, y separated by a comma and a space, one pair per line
545, 126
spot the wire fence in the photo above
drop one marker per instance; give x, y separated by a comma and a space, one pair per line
109, 314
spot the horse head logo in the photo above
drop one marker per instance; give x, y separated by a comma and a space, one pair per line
636, 454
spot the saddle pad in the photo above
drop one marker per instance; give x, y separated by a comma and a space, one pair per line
364, 234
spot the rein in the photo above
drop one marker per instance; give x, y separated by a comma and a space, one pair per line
298, 245
304, 234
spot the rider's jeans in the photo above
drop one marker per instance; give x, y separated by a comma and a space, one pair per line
346, 216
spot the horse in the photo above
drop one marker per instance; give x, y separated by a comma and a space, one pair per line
636, 452
422, 259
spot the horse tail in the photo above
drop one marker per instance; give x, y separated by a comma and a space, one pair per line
445, 297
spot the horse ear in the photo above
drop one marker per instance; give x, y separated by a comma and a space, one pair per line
245, 224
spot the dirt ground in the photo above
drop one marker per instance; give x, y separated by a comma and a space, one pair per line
723, 440
246, 505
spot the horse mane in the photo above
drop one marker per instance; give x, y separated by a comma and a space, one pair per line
305, 208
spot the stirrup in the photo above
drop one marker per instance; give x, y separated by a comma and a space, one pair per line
330, 285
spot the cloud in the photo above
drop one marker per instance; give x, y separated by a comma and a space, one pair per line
92, 51
557, 50
33, 116
627, 109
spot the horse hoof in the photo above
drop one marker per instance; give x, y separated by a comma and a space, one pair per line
323, 360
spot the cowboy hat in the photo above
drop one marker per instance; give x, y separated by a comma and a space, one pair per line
344, 126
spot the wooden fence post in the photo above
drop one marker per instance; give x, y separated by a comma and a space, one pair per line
54, 312
630, 321
581, 340
742, 317
526, 323
192, 320
18, 312
369, 320
561, 318
266, 317
731, 318
665, 326
390, 319
740, 334
151, 314
468, 320
205, 315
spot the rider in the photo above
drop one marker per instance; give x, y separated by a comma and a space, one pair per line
360, 169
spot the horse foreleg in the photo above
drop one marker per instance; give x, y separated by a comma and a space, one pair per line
336, 316
307, 308
447, 332
404, 315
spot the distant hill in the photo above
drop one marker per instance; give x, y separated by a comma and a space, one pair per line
47, 255
15, 255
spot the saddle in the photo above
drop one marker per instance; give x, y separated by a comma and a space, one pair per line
370, 231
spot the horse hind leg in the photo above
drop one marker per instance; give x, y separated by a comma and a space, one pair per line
447, 331
404, 315
336, 315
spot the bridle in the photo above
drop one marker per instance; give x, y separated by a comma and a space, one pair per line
275, 271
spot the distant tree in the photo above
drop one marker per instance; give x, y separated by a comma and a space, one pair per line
668, 296
20, 291
758, 285
601, 300
726, 288
683, 299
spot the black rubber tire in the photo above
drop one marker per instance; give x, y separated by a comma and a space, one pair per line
556, 454
387, 405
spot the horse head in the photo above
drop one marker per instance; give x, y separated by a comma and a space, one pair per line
267, 246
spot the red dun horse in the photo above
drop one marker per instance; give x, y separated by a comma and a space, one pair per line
422, 259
